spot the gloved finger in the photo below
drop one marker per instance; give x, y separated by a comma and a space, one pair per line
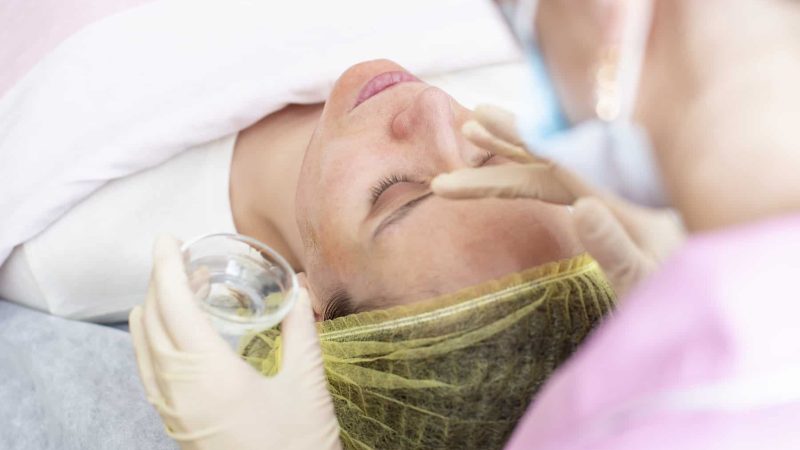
659, 229
499, 122
535, 181
476, 133
301, 351
604, 237
158, 340
184, 322
144, 362
159, 346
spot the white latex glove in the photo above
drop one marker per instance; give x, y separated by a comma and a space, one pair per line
628, 241
207, 396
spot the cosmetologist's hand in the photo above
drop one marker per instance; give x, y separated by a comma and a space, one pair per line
207, 396
628, 241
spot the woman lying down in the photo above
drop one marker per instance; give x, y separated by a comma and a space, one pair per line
439, 318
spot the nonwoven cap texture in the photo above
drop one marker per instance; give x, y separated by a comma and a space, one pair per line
457, 371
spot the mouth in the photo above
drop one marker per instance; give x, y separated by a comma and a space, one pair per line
382, 82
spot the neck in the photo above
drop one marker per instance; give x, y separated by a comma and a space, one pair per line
723, 97
264, 175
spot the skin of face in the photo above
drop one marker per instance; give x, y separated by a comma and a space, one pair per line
409, 245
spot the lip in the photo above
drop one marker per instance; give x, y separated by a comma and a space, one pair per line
382, 82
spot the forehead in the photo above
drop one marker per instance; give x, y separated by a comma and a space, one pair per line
447, 245
484, 223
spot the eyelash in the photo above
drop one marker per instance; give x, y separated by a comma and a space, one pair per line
387, 182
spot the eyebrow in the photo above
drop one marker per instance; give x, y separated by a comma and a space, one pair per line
400, 213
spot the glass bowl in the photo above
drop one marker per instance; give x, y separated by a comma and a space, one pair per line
242, 284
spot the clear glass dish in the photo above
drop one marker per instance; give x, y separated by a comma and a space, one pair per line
243, 285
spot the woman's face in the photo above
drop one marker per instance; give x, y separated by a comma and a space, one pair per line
369, 223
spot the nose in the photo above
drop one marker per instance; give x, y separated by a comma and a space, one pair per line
430, 123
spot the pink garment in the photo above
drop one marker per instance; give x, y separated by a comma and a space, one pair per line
704, 355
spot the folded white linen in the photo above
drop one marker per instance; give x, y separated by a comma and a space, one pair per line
94, 262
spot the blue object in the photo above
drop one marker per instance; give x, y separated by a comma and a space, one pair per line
545, 118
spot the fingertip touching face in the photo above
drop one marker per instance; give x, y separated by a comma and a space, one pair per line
372, 230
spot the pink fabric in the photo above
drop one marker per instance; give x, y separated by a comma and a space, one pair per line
696, 358
30, 29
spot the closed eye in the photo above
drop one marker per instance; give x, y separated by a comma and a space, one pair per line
384, 184
390, 180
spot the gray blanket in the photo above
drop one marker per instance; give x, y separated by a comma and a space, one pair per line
70, 385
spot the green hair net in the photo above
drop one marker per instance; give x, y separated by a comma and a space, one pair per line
456, 371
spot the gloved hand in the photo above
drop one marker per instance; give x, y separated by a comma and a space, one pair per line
207, 396
628, 241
